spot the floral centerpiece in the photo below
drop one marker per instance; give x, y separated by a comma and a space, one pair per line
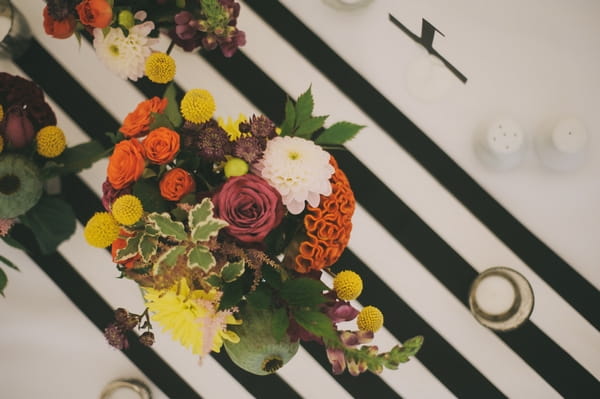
227, 227
33, 152
126, 31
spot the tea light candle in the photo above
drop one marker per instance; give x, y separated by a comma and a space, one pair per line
495, 294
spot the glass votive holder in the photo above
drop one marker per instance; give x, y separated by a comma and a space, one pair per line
15, 34
347, 4
126, 389
501, 299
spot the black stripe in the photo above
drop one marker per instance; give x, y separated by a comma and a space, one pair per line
95, 121
358, 388
91, 304
432, 251
449, 366
538, 256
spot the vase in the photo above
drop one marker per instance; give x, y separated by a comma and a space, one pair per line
15, 34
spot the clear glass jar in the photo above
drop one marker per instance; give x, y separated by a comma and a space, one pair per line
15, 34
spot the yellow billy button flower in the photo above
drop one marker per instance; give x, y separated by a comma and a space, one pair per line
235, 167
101, 230
50, 141
1, 113
1, 144
370, 319
160, 68
197, 106
127, 209
347, 285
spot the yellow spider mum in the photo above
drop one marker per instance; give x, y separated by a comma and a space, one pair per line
198, 106
101, 230
233, 127
1, 144
160, 68
370, 319
50, 141
127, 209
191, 316
347, 285
1, 113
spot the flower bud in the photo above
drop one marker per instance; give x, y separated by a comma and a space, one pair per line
18, 129
147, 338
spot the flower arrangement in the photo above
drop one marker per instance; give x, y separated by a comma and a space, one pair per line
227, 227
33, 152
125, 31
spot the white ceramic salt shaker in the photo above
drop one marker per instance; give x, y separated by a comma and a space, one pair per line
564, 147
502, 145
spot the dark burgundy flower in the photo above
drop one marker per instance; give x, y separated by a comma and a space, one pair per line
110, 194
250, 149
337, 359
230, 45
251, 207
115, 336
341, 311
212, 142
18, 129
261, 126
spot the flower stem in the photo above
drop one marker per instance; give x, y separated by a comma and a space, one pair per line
170, 48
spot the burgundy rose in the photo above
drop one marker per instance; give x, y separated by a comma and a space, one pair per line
251, 207
110, 194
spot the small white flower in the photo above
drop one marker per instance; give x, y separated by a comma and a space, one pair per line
299, 169
125, 55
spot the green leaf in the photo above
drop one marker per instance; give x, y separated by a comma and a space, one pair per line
168, 258
303, 291
147, 247
260, 298
311, 125
316, 323
148, 173
130, 250
271, 276
166, 226
160, 120
338, 133
202, 223
232, 271
287, 126
3, 281
14, 243
8, 263
200, 256
204, 231
232, 294
304, 107
75, 158
172, 109
200, 213
52, 221
279, 323
214, 280
148, 192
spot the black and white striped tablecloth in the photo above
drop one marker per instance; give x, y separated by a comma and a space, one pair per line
429, 218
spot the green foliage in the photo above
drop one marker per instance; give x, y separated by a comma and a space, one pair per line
75, 159
8, 263
299, 120
303, 291
147, 247
202, 223
304, 107
338, 133
232, 271
260, 298
166, 226
51, 220
287, 126
311, 125
149, 194
200, 256
316, 323
168, 258
131, 248
3, 281
281, 322
172, 109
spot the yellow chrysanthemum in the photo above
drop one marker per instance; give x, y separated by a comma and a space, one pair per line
191, 316
1, 144
127, 209
198, 106
50, 141
101, 230
347, 285
1, 113
369, 319
160, 68
233, 127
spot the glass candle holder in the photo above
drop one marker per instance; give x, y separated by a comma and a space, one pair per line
125, 388
347, 4
15, 34
501, 299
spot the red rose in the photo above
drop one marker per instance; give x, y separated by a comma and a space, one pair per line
251, 207
95, 13
60, 29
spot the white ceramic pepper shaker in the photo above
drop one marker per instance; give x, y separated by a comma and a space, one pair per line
564, 147
502, 145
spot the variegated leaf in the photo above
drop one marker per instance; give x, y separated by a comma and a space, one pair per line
147, 247
130, 250
232, 271
200, 213
200, 256
166, 226
169, 258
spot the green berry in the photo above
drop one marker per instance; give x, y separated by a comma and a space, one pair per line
126, 19
235, 167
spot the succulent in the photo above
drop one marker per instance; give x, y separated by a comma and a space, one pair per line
20, 185
258, 351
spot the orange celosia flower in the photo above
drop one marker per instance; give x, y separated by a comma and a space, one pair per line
175, 184
161, 145
328, 226
126, 164
137, 123
58, 29
95, 13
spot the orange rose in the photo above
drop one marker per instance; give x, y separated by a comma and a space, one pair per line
126, 164
176, 183
161, 145
120, 243
58, 29
137, 123
95, 13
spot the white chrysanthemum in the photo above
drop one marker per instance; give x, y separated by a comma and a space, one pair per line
125, 55
299, 169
